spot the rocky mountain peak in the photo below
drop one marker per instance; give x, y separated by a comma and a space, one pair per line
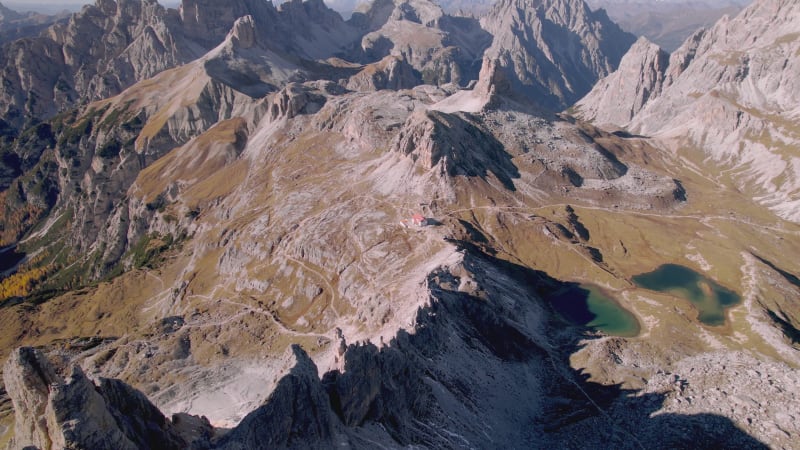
441, 48
392, 72
454, 146
72, 412
553, 50
492, 80
300, 12
419, 11
617, 98
683, 55
295, 99
209, 21
244, 32
370, 16
730, 87
374, 14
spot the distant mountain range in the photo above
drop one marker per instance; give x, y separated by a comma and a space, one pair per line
667, 22
15, 25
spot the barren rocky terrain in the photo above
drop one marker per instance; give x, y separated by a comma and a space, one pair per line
222, 253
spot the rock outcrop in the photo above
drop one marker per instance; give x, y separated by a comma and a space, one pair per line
296, 99
441, 48
392, 72
617, 98
73, 412
454, 146
27, 377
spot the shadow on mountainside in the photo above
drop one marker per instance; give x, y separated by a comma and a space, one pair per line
9, 259
467, 33
788, 276
485, 366
624, 134
473, 373
583, 414
471, 151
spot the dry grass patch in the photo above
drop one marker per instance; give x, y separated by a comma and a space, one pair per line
199, 163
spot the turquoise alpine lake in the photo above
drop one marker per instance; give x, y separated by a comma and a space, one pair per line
587, 305
708, 297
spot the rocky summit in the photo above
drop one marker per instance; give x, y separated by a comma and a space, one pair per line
556, 50
253, 225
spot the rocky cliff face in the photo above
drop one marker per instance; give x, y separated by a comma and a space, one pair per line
109, 46
73, 412
554, 51
102, 158
479, 367
441, 48
97, 52
617, 98
728, 91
